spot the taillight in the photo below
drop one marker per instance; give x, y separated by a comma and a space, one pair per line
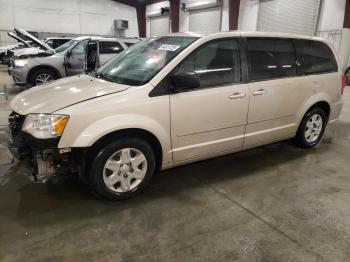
344, 80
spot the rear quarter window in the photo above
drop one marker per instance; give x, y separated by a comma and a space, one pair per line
314, 57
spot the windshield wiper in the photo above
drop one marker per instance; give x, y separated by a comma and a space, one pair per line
102, 76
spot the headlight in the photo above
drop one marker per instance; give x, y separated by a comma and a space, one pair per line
21, 62
44, 126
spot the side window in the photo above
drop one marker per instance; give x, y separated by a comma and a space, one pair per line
110, 47
50, 43
271, 58
315, 57
61, 42
217, 63
79, 49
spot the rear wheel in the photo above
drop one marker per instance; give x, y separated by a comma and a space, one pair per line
312, 128
122, 169
42, 76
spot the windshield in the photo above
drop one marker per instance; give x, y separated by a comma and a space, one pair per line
141, 62
66, 46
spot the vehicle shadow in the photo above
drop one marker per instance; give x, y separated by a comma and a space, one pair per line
69, 196
69, 199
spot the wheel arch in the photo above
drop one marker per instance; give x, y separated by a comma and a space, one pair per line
325, 106
49, 67
131, 132
322, 102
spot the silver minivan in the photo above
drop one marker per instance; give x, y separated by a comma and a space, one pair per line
177, 99
71, 58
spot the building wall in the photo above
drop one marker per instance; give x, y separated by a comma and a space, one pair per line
247, 18
184, 17
149, 8
90, 17
248, 15
331, 15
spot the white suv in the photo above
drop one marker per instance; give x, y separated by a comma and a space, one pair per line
177, 99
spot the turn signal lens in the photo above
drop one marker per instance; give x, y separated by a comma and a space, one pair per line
60, 124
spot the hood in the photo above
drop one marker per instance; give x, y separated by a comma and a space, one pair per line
10, 34
62, 93
26, 52
42, 45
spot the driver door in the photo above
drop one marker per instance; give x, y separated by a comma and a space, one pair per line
75, 58
92, 57
210, 119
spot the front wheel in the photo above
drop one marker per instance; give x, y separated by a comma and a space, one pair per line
42, 76
312, 128
122, 169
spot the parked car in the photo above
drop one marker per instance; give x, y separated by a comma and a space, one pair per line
66, 60
177, 99
36, 48
21, 43
55, 42
4, 59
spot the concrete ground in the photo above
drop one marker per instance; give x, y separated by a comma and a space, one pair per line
274, 203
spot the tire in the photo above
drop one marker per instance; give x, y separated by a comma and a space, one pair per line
46, 75
109, 166
310, 133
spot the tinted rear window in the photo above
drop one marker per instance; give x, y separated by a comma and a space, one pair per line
110, 47
314, 57
271, 58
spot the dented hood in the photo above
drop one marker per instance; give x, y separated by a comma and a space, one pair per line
41, 44
27, 52
20, 40
62, 93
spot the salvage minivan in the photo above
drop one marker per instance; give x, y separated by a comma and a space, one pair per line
177, 99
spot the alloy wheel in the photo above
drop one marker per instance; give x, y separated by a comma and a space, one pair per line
43, 78
313, 128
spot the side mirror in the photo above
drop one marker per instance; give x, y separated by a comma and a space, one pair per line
68, 53
184, 81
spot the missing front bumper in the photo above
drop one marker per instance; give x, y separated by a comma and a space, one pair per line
44, 160
43, 155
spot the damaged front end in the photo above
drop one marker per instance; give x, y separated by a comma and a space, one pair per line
42, 155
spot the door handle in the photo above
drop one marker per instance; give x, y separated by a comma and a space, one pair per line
237, 95
260, 92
